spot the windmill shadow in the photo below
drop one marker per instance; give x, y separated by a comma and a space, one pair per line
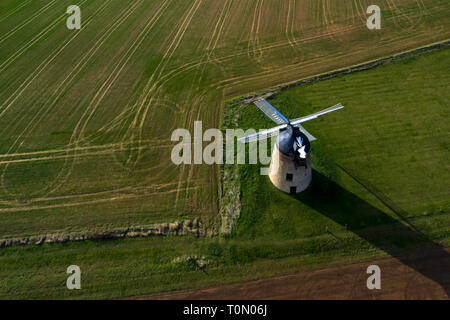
376, 227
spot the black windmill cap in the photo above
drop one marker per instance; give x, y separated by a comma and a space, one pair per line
286, 140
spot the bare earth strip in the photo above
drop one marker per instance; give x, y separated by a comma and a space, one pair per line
398, 281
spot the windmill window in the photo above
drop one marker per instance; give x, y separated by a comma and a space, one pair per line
289, 176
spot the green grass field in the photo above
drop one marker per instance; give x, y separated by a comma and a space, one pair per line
86, 116
390, 197
386, 152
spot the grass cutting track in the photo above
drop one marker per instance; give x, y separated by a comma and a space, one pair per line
86, 118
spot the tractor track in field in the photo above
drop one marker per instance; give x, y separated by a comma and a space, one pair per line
69, 149
127, 111
34, 40
117, 191
152, 85
290, 26
63, 85
67, 169
330, 25
27, 21
8, 14
112, 79
75, 141
122, 196
360, 10
77, 148
326, 17
118, 68
196, 99
184, 68
43, 65
254, 46
220, 60
277, 71
281, 44
147, 90
191, 65
109, 150
354, 68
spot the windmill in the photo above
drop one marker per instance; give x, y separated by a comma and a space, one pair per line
290, 166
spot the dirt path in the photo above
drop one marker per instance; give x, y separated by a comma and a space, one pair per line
398, 281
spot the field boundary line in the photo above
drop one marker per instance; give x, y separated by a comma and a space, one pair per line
194, 226
279, 45
341, 71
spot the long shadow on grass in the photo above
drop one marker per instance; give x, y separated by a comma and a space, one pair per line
378, 228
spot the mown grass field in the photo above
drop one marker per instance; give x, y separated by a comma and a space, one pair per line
377, 208
384, 156
86, 116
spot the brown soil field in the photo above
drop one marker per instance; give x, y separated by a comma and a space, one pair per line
407, 279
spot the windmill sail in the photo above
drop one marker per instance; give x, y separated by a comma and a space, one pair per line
283, 122
271, 112
315, 115
262, 134
309, 135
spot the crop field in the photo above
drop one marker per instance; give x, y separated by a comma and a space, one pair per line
86, 118
374, 209
86, 115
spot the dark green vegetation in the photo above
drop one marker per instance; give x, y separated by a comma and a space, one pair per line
86, 116
380, 187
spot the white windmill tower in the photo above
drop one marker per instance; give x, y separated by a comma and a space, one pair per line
290, 167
